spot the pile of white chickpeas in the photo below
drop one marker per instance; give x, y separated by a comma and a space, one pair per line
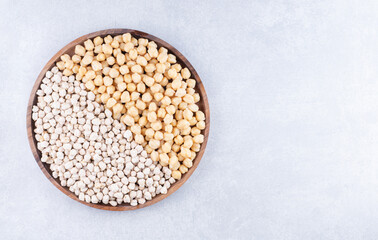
118, 121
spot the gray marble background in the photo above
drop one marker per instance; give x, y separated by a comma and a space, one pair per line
293, 147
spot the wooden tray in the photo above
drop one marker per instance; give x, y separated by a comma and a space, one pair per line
69, 49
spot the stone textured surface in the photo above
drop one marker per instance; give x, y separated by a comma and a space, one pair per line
293, 91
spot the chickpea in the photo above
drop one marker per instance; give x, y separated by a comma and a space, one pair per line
79, 50
131, 87
152, 117
190, 91
169, 92
166, 101
161, 113
146, 97
164, 159
126, 37
159, 135
198, 138
201, 125
183, 106
174, 163
150, 133
183, 169
139, 138
188, 99
100, 57
107, 49
149, 81
133, 111
101, 89
128, 120
117, 95
185, 131
90, 85
96, 65
180, 92
176, 175
193, 121
158, 96
168, 137
172, 73
188, 143
89, 45
188, 162
193, 107
166, 147
141, 61
196, 147
114, 44
117, 108
98, 41
135, 96
168, 128
125, 97
140, 105
191, 83
156, 125
153, 52
67, 72
110, 61
141, 50
141, 87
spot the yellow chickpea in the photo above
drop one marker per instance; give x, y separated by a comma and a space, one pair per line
196, 147
131, 87
140, 105
156, 125
125, 97
201, 125
164, 159
128, 120
135, 96
176, 175
117, 108
188, 162
158, 96
161, 113
174, 163
166, 147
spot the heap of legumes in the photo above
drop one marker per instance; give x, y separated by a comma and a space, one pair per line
118, 120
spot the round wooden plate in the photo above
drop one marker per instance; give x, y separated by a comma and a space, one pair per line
69, 49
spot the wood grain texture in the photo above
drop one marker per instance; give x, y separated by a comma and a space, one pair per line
69, 49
